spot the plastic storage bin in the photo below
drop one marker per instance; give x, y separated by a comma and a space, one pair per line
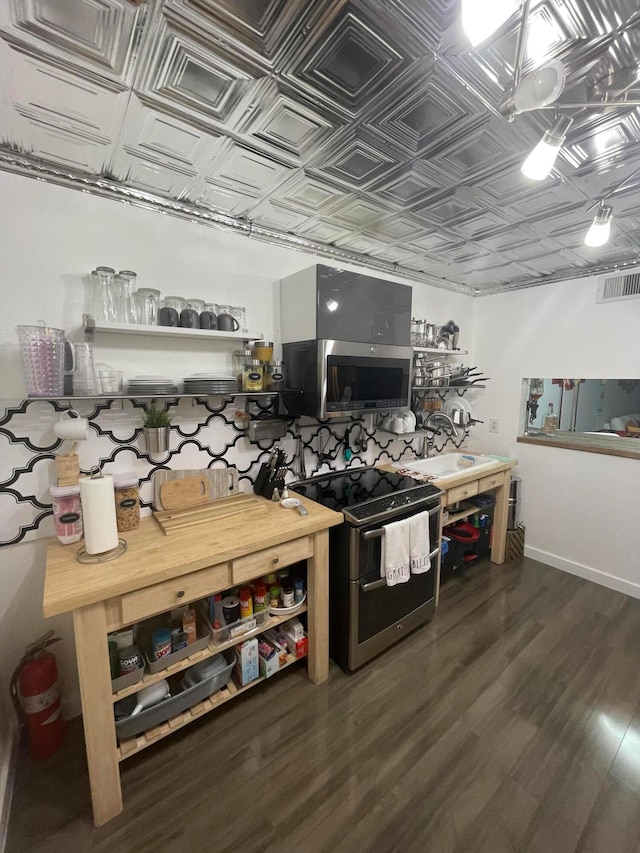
240, 628
128, 726
146, 629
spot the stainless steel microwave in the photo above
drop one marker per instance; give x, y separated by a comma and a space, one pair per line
342, 378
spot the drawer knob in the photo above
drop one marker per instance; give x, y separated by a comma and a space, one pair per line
180, 594
275, 560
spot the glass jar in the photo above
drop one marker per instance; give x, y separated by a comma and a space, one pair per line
253, 375
67, 513
147, 304
274, 376
263, 350
240, 358
127, 497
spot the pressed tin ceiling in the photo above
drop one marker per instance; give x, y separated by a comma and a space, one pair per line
364, 131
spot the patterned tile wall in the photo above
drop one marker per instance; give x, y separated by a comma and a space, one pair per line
205, 433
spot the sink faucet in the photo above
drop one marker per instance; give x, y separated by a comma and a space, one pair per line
445, 425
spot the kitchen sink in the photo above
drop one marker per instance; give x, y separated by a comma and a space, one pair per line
445, 464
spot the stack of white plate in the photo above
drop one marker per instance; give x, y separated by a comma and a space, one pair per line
146, 385
210, 383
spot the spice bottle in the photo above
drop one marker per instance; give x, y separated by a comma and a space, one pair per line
550, 422
287, 593
67, 513
246, 602
252, 375
260, 597
274, 595
127, 497
298, 590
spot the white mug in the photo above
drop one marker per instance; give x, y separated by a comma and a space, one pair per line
72, 428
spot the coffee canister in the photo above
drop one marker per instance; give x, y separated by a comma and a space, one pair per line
231, 609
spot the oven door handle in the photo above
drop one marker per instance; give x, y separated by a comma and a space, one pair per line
379, 531
369, 587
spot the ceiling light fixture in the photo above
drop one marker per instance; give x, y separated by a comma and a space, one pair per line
540, 162
600, 229
598, 233
481, 20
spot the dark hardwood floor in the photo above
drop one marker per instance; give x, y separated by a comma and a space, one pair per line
511, 722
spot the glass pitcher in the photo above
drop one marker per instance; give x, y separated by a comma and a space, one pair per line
43, 353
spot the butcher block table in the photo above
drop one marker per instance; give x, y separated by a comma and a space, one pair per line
159, 572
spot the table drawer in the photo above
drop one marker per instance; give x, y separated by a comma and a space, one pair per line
270, 560
172, 593
462, 492
490, 482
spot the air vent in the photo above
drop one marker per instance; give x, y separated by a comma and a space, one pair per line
613, 288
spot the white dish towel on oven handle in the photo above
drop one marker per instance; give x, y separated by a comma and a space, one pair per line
419, 541
395, 552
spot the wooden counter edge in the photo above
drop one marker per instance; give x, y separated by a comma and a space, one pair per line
264, 534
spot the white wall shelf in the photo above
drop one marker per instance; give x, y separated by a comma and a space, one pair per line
90, 326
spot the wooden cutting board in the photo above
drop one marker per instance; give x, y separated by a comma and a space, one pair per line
184, 492
173, 521
222, 482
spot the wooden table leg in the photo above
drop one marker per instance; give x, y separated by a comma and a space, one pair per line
97, 710
500, 520
318, 608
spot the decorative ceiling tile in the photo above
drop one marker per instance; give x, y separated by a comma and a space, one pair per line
225, 200
241, 167
98, 34
369, 126
281, 122
350, 58
272, 215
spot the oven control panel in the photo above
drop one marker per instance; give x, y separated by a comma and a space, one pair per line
390, 504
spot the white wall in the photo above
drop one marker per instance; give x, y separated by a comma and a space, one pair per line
581, 510
50, 238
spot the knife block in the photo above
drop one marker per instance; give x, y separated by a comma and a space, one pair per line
264, 486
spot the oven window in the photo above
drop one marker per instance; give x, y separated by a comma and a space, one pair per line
353, 379
386, 605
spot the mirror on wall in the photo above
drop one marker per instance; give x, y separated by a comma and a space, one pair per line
602, 407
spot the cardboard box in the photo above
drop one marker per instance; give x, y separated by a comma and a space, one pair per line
268, 658
247, 668
299, 648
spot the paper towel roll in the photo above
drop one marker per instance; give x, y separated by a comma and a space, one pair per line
99, 514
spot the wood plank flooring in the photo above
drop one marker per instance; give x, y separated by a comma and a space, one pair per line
511, 722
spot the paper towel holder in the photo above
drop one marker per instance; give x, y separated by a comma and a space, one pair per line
83, 557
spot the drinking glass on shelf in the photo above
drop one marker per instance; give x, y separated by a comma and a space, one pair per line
127, 306
103, 293
169, 311
148, 302
195, 304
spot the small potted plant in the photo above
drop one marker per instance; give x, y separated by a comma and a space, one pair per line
156, 423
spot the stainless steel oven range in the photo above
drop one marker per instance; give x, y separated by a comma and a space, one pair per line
365, 615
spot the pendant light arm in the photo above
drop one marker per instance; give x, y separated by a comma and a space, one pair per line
520, 46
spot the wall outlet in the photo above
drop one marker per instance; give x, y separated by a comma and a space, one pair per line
494, 423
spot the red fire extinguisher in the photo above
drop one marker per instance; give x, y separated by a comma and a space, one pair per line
36, 698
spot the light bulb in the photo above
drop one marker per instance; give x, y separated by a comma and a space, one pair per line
540, 162
480, 20
600, 229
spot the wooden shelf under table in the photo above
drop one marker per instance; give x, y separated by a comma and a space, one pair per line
133, 745
203, 654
